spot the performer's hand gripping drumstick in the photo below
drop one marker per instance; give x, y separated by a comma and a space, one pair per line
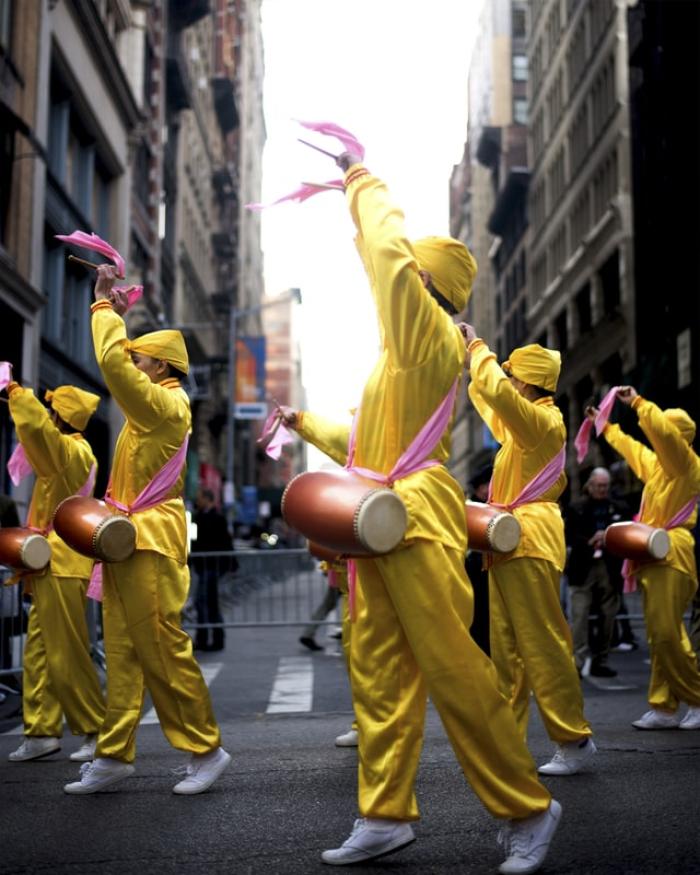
287, 415
627, 394
468, 333
104, 288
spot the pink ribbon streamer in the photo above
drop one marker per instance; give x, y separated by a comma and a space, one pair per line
331, 129
96, 244
583, 436
5, 374
18, 466
279, 436
411, 460
301, 194
155, 492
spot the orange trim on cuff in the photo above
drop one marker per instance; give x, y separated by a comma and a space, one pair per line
102, 304
475, 343
11, 387
636, 402
354, 173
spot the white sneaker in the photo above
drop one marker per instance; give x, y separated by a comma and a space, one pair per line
690, 721
347, 739
569, 758
370, 838
656, 719
86, 752
98, 775
527, 841
202, 771
33, 748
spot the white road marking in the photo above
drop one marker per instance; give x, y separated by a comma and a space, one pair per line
293, 685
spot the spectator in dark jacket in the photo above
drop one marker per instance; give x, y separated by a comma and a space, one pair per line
594, 575
212, 536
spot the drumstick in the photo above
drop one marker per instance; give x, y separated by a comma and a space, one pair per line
323, 185
318, 149
89, 264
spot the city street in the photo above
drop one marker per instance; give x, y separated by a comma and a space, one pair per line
290, 793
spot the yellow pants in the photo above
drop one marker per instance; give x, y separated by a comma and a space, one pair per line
59, 675
410, 640
147, 649
347, 626
675, 677
532, 649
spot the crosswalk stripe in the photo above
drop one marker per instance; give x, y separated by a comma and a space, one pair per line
293, 685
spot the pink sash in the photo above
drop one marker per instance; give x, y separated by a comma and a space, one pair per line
628, 567
154, 493
413, 459
539, 484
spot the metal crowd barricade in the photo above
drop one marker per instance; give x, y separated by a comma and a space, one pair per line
270, 587
13, 626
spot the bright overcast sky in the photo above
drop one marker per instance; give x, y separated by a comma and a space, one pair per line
394, 72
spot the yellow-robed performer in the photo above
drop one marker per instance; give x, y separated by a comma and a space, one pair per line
145, 646
414, 606
671, 476
59, 676
531, 643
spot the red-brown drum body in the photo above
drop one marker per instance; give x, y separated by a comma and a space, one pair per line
92, 528
637, 541
491, 530
344, 513
24, 549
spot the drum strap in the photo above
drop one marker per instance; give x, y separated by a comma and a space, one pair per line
414, 458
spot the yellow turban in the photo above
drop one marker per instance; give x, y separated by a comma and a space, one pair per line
683, 423
535, 365
74, 406
167, 345
451, 266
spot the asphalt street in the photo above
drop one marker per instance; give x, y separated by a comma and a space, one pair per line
290, 793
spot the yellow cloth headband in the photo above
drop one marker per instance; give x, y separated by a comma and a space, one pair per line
535, 365
74, 406
167, 345
451, 266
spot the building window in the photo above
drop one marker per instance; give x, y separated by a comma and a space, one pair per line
520, 111
5, 26
520, 68
519, 22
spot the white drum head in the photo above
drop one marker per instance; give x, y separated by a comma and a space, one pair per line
659, 544
380, 521
35, 552
503, 533
115, 539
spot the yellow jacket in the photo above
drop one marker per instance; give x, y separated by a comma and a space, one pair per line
667, 478
530, 434
62, 464
157, 421
422, 354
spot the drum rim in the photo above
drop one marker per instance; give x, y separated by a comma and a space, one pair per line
358, 511
491, 525
28, 540
103, 524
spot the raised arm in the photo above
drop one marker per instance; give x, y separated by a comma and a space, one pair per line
411, 322
641, 459
329, 437
48, 451
675, 455
523, 419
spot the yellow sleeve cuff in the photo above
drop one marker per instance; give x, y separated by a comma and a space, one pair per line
102, 304
475, 344
636, 402
355, 172
12, 387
